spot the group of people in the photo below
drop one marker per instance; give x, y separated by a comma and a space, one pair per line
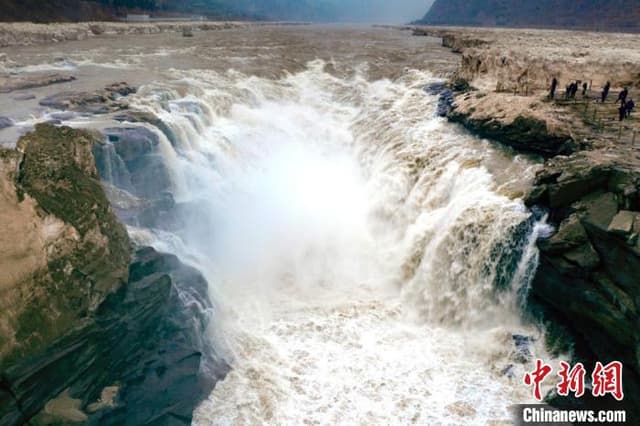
626, 103
570, 91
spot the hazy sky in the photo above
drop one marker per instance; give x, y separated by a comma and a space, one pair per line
378, 11
394, 11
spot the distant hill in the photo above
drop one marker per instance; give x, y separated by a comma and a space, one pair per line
53, 10
92, 10
597, 15
288, 10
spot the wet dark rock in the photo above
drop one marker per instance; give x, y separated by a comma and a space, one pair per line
98, 102
588, 278
145, 117
67, 115
570, 234
132, 142
445, 97
435, 88
507, 254
597, 208
509, 371
146, 338
524, 134
445, 103
145, 173
522, 347
5, 122
162, 213
460, 85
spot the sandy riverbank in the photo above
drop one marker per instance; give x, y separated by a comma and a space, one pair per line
23, 34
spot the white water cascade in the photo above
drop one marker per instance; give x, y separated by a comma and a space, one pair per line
366, 258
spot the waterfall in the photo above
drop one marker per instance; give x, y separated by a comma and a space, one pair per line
366, 258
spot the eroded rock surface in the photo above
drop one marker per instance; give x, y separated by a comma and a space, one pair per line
89, 332
589, 273
101, 101
586, 290
63, 250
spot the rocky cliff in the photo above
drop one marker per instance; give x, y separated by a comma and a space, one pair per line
64, 250
618, 15
586, 290
89, 331
588, 278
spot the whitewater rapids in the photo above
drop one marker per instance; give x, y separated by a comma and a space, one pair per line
365, 259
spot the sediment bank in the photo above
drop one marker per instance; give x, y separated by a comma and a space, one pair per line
24, 34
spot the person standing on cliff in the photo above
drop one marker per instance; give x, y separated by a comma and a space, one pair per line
622, 112
622, 97
584, 89
573, 89
552, 90
629, 106
605, 91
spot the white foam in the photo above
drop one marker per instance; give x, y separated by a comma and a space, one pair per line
352, 242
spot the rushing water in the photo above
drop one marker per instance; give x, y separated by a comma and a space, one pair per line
367, 258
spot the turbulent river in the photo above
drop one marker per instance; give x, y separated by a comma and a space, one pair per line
367, 260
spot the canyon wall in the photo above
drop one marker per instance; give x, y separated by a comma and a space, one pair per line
586, 291
92, 329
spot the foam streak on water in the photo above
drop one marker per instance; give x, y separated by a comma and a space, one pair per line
364, 255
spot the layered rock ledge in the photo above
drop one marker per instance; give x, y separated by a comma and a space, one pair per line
92, 329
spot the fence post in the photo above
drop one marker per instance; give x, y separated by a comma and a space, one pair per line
620, 131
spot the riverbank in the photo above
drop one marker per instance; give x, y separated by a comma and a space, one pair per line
586, 286
27, 34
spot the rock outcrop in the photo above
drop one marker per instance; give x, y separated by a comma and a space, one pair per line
63, 250
101, 101
90, 332
5, 122
493, 118
143, 343
586, 290
588, 278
